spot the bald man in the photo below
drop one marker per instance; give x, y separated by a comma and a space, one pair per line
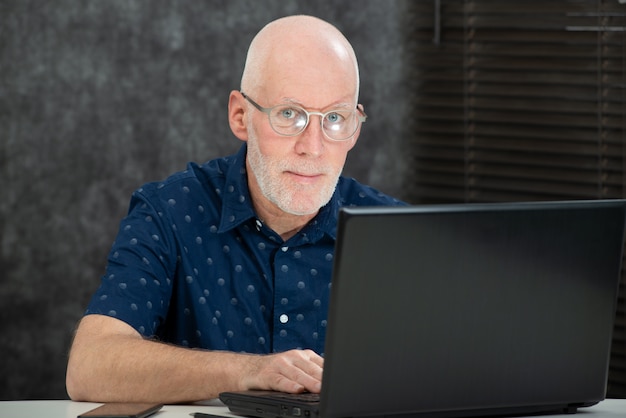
219, 277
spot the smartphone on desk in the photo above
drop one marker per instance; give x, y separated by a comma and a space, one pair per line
122, 410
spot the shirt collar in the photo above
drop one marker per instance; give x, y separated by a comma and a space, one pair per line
236, 202
237, 205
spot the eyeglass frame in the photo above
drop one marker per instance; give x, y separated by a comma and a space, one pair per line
360, 113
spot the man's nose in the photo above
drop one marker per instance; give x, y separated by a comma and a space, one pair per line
311, 140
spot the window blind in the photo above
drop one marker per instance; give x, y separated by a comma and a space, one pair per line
521, 101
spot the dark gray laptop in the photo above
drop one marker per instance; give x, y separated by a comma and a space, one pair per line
465, 310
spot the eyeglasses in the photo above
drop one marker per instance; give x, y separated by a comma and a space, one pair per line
291, 120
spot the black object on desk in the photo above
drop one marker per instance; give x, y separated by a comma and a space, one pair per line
205, 415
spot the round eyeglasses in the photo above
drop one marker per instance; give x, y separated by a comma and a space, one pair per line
291, 120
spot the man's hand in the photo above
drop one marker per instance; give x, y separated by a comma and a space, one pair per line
293, 371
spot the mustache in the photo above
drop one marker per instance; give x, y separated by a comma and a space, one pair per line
305, 168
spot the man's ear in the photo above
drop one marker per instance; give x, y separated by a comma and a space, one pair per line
237, 116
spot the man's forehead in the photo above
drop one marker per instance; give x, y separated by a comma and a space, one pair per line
310, 87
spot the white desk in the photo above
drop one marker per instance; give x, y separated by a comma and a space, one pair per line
69, 409
610, 408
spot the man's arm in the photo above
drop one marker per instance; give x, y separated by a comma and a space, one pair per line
111, 362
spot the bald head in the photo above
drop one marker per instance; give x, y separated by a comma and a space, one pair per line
298, 45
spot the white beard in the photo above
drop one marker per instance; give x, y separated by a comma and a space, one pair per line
290, 197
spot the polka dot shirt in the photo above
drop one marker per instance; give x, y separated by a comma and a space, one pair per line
192, 265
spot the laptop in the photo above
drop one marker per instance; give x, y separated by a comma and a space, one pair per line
465, 310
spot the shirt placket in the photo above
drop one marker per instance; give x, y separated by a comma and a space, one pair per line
284, 317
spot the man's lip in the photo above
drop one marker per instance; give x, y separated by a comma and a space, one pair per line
295, 173
305, 176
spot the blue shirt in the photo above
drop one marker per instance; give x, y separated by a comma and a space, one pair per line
193, 265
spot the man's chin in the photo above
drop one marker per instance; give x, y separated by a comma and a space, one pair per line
299, 207
301, 201
300, 211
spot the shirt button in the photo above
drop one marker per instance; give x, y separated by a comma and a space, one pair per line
283, 319
285, 249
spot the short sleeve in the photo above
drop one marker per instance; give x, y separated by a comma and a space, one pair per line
137, 285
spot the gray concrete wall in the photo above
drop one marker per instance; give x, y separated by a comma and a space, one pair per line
98, 97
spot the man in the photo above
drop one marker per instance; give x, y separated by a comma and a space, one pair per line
219, 277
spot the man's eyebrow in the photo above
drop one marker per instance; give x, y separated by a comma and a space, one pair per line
338, 105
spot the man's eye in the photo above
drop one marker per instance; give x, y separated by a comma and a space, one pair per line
288, 113
334, 118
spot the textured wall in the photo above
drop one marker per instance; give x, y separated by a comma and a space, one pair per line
98, 97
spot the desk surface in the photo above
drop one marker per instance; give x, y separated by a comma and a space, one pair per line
610, 408
69, 409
